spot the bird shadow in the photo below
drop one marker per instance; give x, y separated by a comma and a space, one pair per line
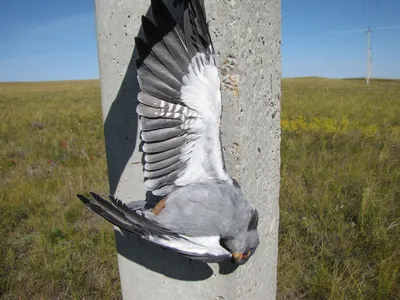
160, 260
164, 261
121, 123
120, 130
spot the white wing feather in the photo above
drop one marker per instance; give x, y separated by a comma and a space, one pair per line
208, 246
201, 93
180, 102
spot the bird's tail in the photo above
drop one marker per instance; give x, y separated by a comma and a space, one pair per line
132, 220
118, 213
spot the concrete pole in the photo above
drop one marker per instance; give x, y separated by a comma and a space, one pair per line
247, 37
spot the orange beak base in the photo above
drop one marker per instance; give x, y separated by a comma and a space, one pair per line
237, 257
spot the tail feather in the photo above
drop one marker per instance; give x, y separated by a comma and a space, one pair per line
135, 217
119, 214
110, 213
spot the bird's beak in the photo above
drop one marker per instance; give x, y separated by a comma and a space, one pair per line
237, 257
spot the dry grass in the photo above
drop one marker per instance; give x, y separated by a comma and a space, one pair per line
340, 208
52, 147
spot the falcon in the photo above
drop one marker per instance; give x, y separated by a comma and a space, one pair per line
202, 213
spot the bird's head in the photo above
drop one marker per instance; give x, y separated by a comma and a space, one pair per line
246, 242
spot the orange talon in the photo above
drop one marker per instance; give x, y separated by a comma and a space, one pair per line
159, 206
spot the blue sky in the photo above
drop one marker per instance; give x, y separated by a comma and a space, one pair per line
327, 37
56, 40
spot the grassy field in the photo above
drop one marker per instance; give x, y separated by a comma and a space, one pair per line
339, 206
52, 147
340, 195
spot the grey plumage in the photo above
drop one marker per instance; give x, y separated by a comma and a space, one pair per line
155, 183
221, 202
159, 50
161, 134
179, 115
164, 145
151, 124
165, 155
155, 87
164, 171
161, 164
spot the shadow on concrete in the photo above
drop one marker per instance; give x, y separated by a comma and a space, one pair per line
120, 128
157, 259
227, 268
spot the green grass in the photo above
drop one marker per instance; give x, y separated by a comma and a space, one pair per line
53, 147
339, 206
340, 194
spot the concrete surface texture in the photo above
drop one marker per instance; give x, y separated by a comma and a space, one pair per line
246, 36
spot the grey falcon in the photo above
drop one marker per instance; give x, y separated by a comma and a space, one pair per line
202, 213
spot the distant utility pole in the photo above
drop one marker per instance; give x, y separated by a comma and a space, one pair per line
369, 57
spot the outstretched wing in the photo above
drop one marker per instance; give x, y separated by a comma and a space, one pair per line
206, 249
180, 100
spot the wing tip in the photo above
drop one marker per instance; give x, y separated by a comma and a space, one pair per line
87, 200
94, 195
118, 203
83, 199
